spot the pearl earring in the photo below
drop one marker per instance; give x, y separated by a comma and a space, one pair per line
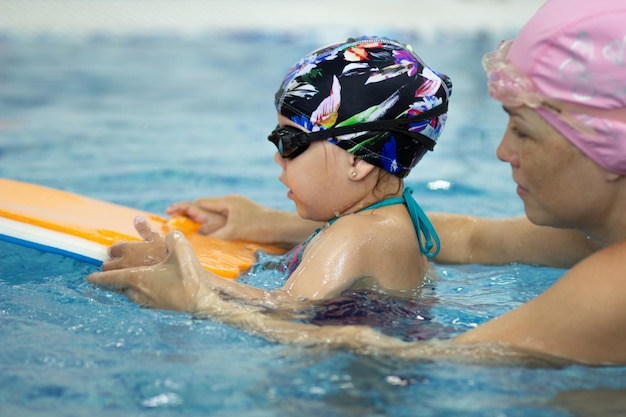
353, 174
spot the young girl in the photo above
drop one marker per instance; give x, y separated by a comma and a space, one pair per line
353, 119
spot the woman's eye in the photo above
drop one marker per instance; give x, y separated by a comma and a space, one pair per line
518, 132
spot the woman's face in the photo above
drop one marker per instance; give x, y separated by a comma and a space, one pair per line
559, 185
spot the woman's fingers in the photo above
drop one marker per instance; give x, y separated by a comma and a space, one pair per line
117, 250
172, 282
146, 230
119, 280
212, 223
178, 208
131, 254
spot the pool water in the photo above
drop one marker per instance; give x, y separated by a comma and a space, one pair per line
144, 120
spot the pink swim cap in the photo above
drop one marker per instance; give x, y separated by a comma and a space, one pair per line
569, 63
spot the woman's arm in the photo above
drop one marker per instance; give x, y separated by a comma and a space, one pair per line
581, 317
236, 217
464, 239
468, 239
165, 273
182, 284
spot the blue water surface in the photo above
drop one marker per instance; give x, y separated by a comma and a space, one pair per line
145, 120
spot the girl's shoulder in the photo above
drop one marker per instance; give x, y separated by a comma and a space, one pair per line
387, 225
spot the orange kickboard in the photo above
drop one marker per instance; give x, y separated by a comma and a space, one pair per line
106, 223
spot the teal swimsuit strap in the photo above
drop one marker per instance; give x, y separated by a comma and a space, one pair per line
423, 226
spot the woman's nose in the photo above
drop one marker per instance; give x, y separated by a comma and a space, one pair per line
505, 152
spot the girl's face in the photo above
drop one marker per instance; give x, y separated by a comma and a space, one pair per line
314, 178
558, 184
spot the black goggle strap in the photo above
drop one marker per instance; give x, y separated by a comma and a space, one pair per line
392, 125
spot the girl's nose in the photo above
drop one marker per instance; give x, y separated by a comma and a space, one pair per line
279, 160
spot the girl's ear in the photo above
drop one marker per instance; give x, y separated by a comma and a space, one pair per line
360, 169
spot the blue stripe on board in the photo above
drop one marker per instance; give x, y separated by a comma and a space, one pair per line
50, 249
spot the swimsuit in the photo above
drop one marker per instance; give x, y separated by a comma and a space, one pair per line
423, 227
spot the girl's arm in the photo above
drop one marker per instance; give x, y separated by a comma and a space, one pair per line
166, 273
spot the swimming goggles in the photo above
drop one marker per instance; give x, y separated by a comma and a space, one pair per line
512, 88
291, 141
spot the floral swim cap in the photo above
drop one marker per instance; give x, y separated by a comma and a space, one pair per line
365, 80
569, 64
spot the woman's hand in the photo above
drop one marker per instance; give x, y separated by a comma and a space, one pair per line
150, 251
231, 217
207, 212
176, 282
235, 217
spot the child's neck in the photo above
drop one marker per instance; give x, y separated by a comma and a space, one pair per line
380, 203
